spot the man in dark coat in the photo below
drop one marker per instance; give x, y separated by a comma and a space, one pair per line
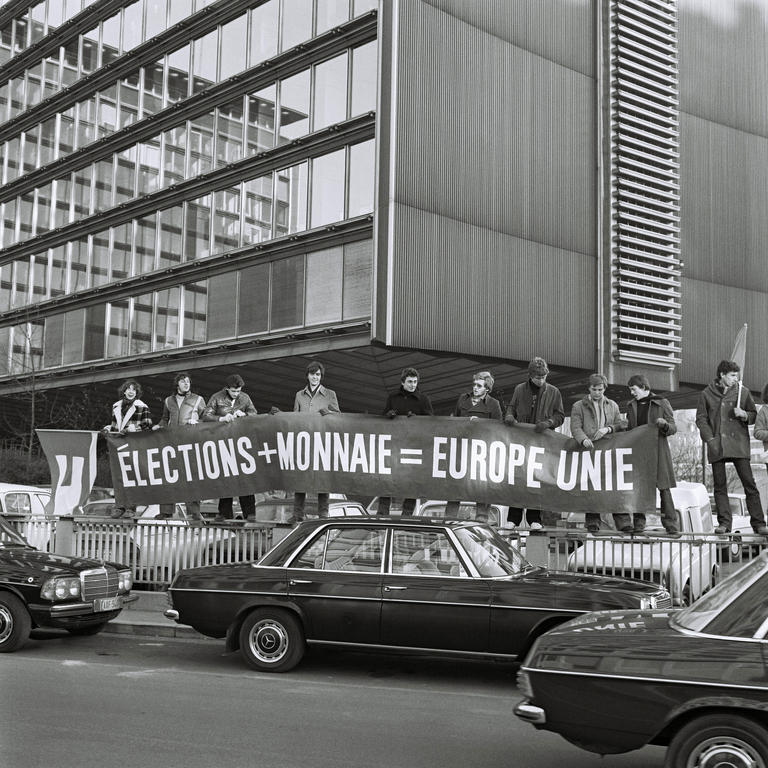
725, 411
534, 402
648, 408
407, 401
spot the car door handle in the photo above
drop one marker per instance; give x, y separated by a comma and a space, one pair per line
388, 588
294, 582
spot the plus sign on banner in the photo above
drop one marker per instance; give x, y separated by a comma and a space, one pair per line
423, 456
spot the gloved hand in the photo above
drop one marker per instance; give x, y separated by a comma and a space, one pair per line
662, 424
587, 443
391, 413
323, 411
541, 426
510, 420
273, 410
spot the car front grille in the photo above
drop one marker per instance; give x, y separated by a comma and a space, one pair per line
99, 582
664, 601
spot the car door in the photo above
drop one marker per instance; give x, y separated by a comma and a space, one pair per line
429, 600
335, 580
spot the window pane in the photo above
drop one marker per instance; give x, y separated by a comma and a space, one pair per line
12, 156
327, 189
179, 9
331, 13
74, 327
363, 6
117, 341
141, 325
222, 290
100, 258
6, 287
154, 17
153, 89
297, 22
261, 120
125, 185
358, 279
145, 244
229, 133
110, 45
78, 277
234, 45
59, 270
132, 26
103, 190
122, 246
149, 166
263, 32
201, 145
258, 210
129, 99
204, 56
95, 318
291, 200
195, 312
21, 282
107, 122
174, 154
330, 92
294, 107
253, 300
167, 319
171, 221
287, 293
44, 208
53, 341
178, 74
364, 79
226, 221
361, 178
324, 286
40, 277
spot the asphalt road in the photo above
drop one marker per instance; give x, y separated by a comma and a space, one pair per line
117, 700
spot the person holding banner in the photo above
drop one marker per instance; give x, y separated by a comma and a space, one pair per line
534, 402
648, 408
181, 408
407, 401
227, 405
593, 418
314, 398
477, 404
129, 413
724, 413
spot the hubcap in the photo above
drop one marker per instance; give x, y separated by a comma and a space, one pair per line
725, 752
269, 641
6, 623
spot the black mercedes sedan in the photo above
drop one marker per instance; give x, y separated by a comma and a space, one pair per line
694, 680
39, 589
419, 584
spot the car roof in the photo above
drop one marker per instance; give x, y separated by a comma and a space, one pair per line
5, 487
399, 521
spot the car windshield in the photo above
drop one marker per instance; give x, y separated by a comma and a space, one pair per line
9, 537
490, 553
728, 597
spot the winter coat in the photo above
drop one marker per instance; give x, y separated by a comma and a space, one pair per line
487, 408
726, 436
658, 408
761, 426
306, 402
130, 416
550, 405
405, 402
584, 418
190, 411
220, 404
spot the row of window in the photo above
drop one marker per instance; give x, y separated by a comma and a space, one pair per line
314, 193
314, 289
324, 94
257, 35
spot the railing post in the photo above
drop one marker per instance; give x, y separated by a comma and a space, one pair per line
64, 536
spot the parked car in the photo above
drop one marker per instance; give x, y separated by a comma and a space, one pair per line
694, 680
22, 501
38, 589
281, 510
687, 566
497, 514
740, 541
450, 587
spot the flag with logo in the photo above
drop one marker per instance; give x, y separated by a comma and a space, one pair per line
71, 457
739, 356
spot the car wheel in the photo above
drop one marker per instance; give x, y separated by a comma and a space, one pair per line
91, 629
15, 623
721, 739
271, 640
732, 552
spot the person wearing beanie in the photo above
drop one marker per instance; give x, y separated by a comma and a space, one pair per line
225, 406
314, 398
535, 401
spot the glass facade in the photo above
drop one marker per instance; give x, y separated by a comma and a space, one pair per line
239, 209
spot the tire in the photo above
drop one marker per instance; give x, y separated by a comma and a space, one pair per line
743, 742
732, 552
271, 640
15, 623
91, 629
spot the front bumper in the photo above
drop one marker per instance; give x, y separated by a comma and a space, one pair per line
530, 713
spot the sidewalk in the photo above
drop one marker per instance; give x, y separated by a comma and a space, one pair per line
145, 617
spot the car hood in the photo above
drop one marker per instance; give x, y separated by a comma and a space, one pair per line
634, 622
21, 562
593, 581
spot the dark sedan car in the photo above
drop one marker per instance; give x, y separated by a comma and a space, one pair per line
38, 589
695, 679
415, 583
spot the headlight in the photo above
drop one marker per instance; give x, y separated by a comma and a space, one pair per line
60, 589
124, 581
524, 684
648, 603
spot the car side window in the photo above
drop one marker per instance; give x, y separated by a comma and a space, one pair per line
426, 553
344, 549
18, 504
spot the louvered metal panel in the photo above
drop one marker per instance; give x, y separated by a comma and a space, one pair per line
644, 161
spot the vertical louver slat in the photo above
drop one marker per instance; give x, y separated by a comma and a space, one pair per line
645, 182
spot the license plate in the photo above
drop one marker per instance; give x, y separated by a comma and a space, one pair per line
107, 603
